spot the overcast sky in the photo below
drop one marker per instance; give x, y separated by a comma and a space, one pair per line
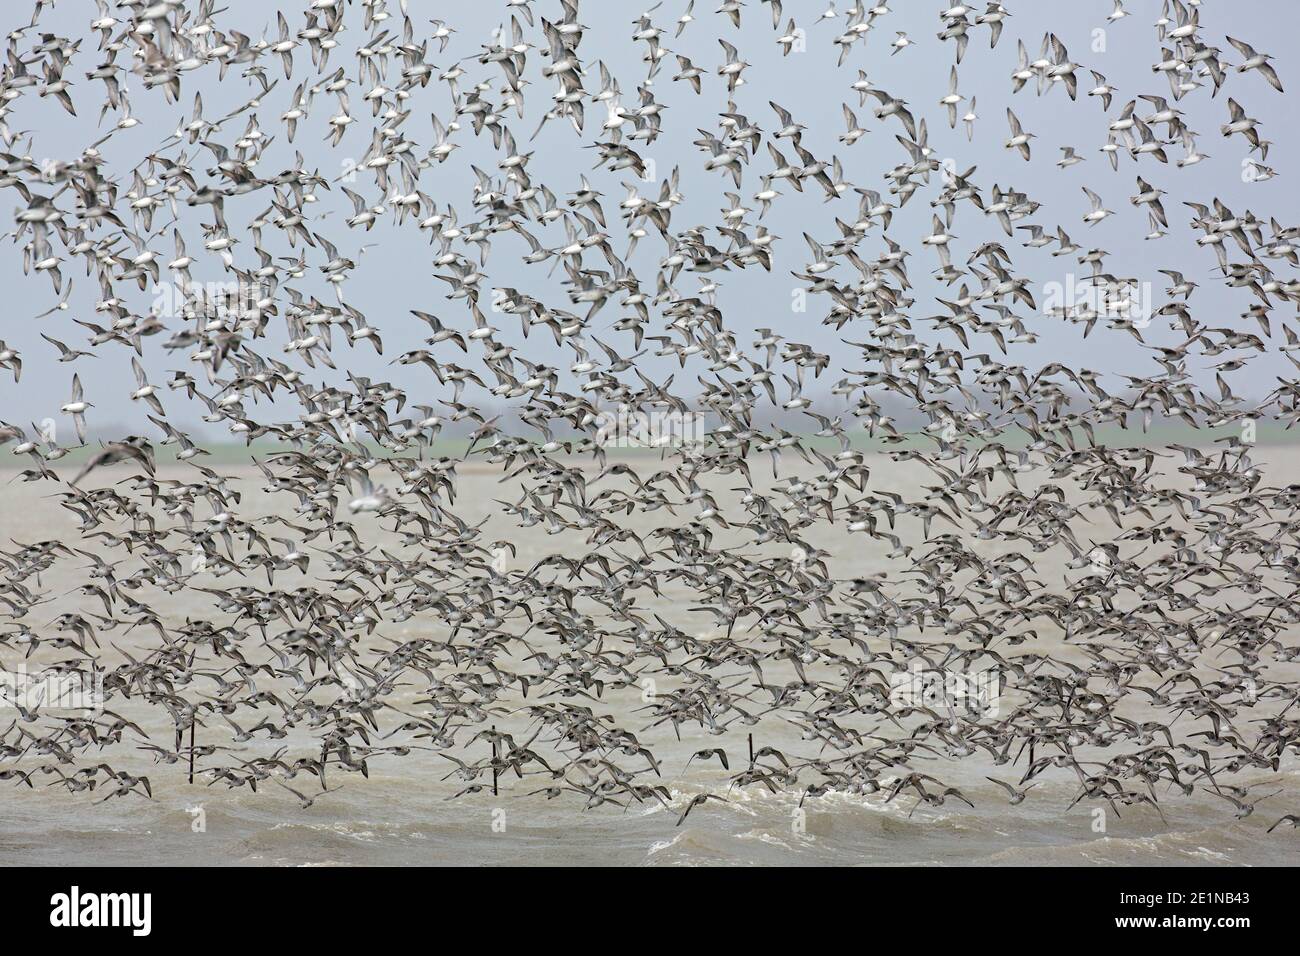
395, 274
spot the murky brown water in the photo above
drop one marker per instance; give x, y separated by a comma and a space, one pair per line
401, 814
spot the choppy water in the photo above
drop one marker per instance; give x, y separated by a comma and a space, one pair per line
401, 815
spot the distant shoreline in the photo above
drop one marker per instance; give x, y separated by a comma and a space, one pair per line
1159, 436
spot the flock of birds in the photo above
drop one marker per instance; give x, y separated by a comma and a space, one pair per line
1181, 562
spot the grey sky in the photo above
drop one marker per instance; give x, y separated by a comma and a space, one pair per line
395, 274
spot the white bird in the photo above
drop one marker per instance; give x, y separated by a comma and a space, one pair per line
1096, 213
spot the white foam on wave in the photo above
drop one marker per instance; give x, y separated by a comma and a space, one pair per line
660, 845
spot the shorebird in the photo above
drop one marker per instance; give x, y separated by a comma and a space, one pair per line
462, 551
77, 408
